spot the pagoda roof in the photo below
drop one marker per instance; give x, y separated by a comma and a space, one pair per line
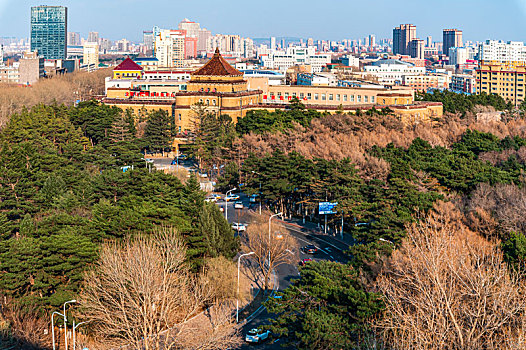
217, 66
128, 64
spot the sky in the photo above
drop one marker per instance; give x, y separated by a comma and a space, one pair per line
326, 19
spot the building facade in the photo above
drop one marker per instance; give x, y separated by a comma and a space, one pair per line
505, 79
451, 38
416, 49
90, 57
402, 37
170, 47
493, 50
49, 28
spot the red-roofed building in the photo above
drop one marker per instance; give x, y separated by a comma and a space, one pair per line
128, 69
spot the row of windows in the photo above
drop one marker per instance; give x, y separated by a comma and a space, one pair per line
324, 97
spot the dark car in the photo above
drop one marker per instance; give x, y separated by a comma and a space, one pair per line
310, 249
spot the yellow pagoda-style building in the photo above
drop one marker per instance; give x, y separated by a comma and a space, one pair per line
223, 90
217, 85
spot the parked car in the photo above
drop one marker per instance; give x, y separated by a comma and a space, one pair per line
203, 174
310, 249
237, 226
174, 162
217, 196
253, 198
256, 335
222, 209
231, 197
279, 235
303, 262
238, 205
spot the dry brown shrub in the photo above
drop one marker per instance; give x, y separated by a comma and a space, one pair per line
23, 326
63, 89
448, 288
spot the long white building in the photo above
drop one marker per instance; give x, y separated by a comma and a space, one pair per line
493, 50
392, 72
296, 55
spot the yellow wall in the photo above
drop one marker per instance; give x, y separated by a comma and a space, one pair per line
127, 74
504, 79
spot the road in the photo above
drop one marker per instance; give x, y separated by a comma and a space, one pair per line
329, 249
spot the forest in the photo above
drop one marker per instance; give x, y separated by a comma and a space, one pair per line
435, 211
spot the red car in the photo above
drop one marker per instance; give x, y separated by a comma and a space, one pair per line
305, 261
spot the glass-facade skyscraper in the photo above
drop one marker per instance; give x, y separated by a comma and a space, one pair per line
49, 28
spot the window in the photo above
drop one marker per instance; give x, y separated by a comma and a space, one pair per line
179, 116
331, 97
279, 94
214, 102
286, 95
309, 96
316, 96
352, 98
337, 97
208, 102
372, 99
200, 100
302, 95
323, 97
366, 99
345, 98
359, 98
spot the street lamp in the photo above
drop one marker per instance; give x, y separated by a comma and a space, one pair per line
237, 301
269, 220
226, 203
65, 324
255, 172
53, 327
75, 326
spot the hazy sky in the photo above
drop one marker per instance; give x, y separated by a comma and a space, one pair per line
320, 19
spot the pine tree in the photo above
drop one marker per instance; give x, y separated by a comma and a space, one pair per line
158, 131
120, 130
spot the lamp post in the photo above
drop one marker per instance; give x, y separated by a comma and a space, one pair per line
65, 322
237, 301
226, 203
53, 327
75, 326
255, 172
269, 220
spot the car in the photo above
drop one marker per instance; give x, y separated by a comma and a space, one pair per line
182, 157
174, 162
216, 196
303, 262
237, 226
253, 198
203, 174
222, 209
238, 205
279, 235
310, 249
231, 197
256, 335
211, 199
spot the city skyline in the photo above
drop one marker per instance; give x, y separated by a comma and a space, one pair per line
341, 20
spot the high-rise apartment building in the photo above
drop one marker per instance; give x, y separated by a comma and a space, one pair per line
49, 28
372, 40
451, 38
493, 50
170, 47
202, 40
429, 41
402, 37
93, 37
273, 43
73, 39
90, 56
416, 48
147, 39
505, 79
191, 28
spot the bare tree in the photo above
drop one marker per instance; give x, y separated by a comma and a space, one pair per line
283, 248
141, 293
448, 288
